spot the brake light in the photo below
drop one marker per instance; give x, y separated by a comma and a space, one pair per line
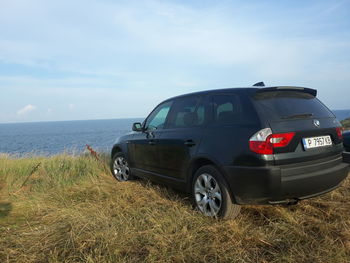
264, 141
339, 131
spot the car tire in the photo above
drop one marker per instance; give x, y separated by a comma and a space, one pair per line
211, 194
120, 168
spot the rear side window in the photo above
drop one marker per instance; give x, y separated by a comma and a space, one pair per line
278, 105
187, 112
227, 109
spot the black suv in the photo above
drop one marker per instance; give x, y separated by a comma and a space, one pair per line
237, 146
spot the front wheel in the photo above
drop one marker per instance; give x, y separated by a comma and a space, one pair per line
120, 168
211, 194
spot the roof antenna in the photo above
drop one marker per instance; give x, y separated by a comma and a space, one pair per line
259, 84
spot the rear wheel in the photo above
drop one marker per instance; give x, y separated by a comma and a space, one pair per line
211, 194
120, 168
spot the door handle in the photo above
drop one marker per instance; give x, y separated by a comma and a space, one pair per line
190, 143
151, 142
149, 135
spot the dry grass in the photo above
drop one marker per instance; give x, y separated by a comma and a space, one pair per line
72, 210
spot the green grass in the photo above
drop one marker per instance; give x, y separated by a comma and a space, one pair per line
72, 210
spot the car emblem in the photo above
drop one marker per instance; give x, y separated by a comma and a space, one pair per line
317, 123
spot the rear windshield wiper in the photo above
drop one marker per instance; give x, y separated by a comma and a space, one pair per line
298, 116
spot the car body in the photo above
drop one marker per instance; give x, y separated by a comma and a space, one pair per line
346, 154
267, 145
346, 136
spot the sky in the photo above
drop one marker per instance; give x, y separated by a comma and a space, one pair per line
73, 60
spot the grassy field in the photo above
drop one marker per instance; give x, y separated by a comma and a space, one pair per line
72, 210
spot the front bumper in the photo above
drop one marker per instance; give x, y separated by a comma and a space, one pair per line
278, 184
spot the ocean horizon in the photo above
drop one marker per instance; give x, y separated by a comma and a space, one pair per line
71, 136
55, 137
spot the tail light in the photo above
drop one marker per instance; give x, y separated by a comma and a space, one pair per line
264, 141
339, 131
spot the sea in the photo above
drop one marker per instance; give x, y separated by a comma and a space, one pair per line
71, 137
56, 137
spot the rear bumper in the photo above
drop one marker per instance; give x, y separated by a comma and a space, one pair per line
346, 157
278, 184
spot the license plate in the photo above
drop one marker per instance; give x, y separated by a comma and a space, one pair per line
315, 142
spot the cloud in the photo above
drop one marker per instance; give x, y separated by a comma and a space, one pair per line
71, 106
142, 30
26, 109
105, 51
130, 35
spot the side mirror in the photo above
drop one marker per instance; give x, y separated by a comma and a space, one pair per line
137, 126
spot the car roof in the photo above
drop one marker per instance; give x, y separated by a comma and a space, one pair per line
251, 90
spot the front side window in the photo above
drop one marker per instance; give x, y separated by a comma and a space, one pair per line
187, 112
157, 118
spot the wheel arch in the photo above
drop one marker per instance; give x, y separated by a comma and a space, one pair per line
116, 148
202, 161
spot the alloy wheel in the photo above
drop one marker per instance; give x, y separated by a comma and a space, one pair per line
121, 169
208, 195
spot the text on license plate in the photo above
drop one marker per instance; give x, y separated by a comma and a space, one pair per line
314, 142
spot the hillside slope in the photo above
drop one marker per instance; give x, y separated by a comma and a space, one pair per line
71, 210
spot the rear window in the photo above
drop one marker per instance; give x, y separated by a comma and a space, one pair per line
277, 105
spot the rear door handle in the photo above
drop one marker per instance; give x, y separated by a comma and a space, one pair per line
151, 142
190, 143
